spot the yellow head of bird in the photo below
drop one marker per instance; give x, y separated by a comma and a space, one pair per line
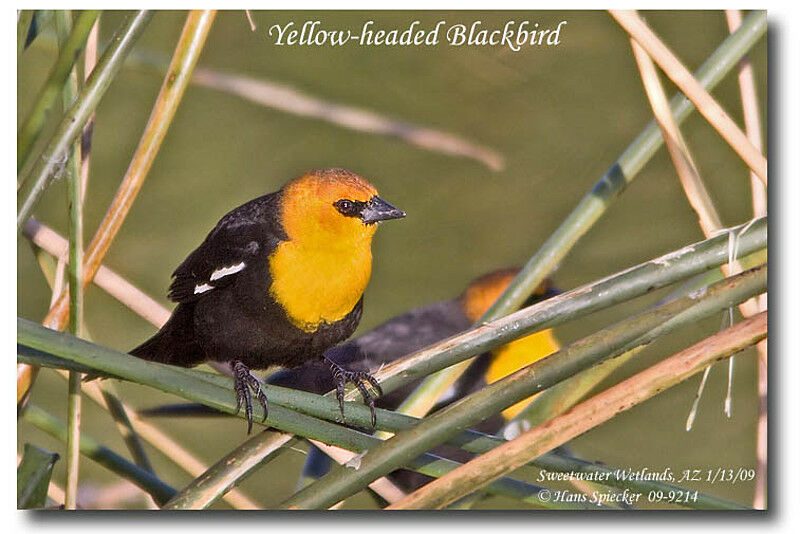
335, 207
478, 297
484, 290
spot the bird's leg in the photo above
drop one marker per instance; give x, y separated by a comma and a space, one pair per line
360, 379
243, 382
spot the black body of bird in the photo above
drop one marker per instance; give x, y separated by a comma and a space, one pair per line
278, 281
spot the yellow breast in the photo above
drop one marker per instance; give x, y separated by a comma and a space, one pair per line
516, 355
319, 284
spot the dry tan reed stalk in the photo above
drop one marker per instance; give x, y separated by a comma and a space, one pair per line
752, 122
164, 109
250, 20
290, 100
686, 82
689, 175
752, 126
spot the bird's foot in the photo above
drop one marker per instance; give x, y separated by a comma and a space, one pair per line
243, 382
360, 379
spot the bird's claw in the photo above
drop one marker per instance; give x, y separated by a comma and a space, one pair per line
360, 379
243, 382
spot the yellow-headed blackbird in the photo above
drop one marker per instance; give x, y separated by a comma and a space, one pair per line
278, 281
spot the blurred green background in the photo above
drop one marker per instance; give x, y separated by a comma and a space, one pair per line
560, 116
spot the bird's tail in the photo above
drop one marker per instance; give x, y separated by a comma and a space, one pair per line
175, 343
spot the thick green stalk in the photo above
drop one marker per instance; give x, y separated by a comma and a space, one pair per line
591, 350
104, 456
50, 162
43, 346
598, 200
69, 52
63, 23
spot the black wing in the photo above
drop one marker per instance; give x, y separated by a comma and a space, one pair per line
245, 233
412, 331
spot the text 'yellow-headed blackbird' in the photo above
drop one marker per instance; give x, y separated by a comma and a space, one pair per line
278, 281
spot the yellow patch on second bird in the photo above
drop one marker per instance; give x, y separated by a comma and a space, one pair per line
516, 355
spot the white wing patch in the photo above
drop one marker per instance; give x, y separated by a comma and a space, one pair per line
216, 275
202, 288
223, 271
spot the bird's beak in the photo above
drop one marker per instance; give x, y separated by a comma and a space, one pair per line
377, 210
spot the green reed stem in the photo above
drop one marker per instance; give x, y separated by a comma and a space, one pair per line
159, 490
63, 24
50, 162
69, 52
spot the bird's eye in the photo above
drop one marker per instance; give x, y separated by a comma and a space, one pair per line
347, 207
